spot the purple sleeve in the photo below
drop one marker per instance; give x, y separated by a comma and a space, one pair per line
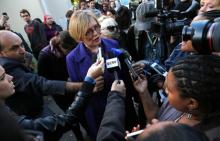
71, 64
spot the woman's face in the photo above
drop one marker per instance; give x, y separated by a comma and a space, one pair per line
209, 5
6, 84
174, 95
92, 36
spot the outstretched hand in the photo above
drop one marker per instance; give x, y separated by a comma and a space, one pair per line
96, 69
141, 84
118, 85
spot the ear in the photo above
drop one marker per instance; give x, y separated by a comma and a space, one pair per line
192, 104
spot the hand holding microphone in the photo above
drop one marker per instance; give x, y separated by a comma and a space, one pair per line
96, 69
126, 57
119, 86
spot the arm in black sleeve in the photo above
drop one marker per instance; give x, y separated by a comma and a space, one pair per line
112, 125
61, 123
31, 83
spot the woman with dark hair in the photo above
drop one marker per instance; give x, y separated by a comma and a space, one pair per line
192, 86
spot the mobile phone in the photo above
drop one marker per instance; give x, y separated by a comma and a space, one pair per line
132, 136
159, 69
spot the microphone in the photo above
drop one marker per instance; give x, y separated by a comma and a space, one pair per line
113, 65
126, 57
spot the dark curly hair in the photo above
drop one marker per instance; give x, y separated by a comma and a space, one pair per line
198, 76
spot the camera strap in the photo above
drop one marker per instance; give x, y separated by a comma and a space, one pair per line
136, 34
153, 40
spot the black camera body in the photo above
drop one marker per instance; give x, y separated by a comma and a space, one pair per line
204, 35
172, 20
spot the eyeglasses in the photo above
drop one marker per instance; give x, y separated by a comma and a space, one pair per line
112, 28
90, 31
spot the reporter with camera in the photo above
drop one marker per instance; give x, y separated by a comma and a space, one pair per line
55, 125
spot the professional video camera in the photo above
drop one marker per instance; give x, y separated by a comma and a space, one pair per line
204, 35
172, 21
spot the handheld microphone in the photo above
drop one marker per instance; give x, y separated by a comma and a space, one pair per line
128, 62
123, 54
113, 65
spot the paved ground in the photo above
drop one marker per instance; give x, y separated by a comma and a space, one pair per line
69, 136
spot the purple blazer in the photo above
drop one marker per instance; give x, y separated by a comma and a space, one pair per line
78, 62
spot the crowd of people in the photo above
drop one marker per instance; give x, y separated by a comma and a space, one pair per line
111, 104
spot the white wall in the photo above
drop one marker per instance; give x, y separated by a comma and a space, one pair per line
37, 8
12, 7
57, 8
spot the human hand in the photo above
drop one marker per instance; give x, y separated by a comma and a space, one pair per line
134, 129
153, 121
96, 69
186, 46
139, 66
118, 85
141, 84
134, 133
99, 84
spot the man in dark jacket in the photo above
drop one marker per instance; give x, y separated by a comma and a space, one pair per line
30, 88
35, 32
55, 125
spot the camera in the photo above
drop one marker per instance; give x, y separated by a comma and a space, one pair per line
172, 20
173, 27
204, 35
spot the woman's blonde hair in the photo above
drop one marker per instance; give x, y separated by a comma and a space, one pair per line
79, 23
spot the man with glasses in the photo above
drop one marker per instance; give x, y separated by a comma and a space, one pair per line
35, 32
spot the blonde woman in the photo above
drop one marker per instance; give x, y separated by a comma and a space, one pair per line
86, 30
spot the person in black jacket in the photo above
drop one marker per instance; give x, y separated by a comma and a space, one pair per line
113, 122
53, 126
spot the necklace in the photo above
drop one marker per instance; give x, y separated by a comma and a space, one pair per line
189, 116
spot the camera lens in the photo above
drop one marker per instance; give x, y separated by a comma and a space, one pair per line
199, 40
187, 33
213, 37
